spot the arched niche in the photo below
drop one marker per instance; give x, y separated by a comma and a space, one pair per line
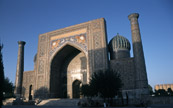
68, 64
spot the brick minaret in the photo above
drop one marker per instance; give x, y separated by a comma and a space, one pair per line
141, 75
20, 69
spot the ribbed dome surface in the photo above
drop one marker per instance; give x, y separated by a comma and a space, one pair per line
119, 42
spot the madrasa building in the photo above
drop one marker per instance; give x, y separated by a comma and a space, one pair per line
66, 59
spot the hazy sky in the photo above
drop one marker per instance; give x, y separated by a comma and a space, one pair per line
26, 19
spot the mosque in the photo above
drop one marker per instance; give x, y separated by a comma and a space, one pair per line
66, 59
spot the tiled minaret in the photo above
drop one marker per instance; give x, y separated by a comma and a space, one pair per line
141, 75
20, 69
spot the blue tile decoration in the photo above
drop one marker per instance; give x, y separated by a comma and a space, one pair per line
79, 40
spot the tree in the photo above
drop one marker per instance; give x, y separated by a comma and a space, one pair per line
106, 83
88, 91
85, 90
103, 83
170, 92
1, 75
8, 88
161, 92
150, 89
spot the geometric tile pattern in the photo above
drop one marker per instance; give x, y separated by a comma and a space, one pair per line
80, 40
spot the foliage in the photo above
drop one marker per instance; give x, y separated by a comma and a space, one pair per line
8, 88
170, 92
160, 92
1, 75
150, 89
87, 91
103, 83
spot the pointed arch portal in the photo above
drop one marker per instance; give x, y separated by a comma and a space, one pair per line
67, 65
76, 88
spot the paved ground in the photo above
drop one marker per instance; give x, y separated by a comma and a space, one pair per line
153, 106
36, 107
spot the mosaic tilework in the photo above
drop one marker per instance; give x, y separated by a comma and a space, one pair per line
42, 50
79, 40
43, 38
41, 67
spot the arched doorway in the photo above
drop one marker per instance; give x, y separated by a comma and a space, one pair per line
67, 65
76, 89
30, 92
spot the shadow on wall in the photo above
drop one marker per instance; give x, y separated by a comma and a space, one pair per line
23, 91
41, 93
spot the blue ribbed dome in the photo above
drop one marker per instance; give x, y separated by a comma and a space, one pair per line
119, 42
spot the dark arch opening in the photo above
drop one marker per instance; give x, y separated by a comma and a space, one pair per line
58, 74
30, 92
76, 89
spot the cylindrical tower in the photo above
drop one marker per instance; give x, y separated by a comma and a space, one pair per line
141, 75
19, 70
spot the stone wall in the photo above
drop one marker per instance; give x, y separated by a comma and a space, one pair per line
28, 80
125, 67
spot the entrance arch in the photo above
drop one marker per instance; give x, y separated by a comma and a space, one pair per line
76, 88
30, 92
68, 64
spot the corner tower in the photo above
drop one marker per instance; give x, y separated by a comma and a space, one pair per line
141, 82
20, 69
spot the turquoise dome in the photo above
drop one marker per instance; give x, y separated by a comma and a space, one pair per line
119, 42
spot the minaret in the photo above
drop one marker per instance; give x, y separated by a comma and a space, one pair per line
141, 75
20, 69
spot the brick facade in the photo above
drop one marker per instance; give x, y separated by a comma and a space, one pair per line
68, 56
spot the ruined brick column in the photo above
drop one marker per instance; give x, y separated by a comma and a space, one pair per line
20, 69
141, 75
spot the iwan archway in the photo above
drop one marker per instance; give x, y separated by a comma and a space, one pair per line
69, 54
68, 64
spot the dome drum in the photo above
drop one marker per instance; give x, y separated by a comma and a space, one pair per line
120, 54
